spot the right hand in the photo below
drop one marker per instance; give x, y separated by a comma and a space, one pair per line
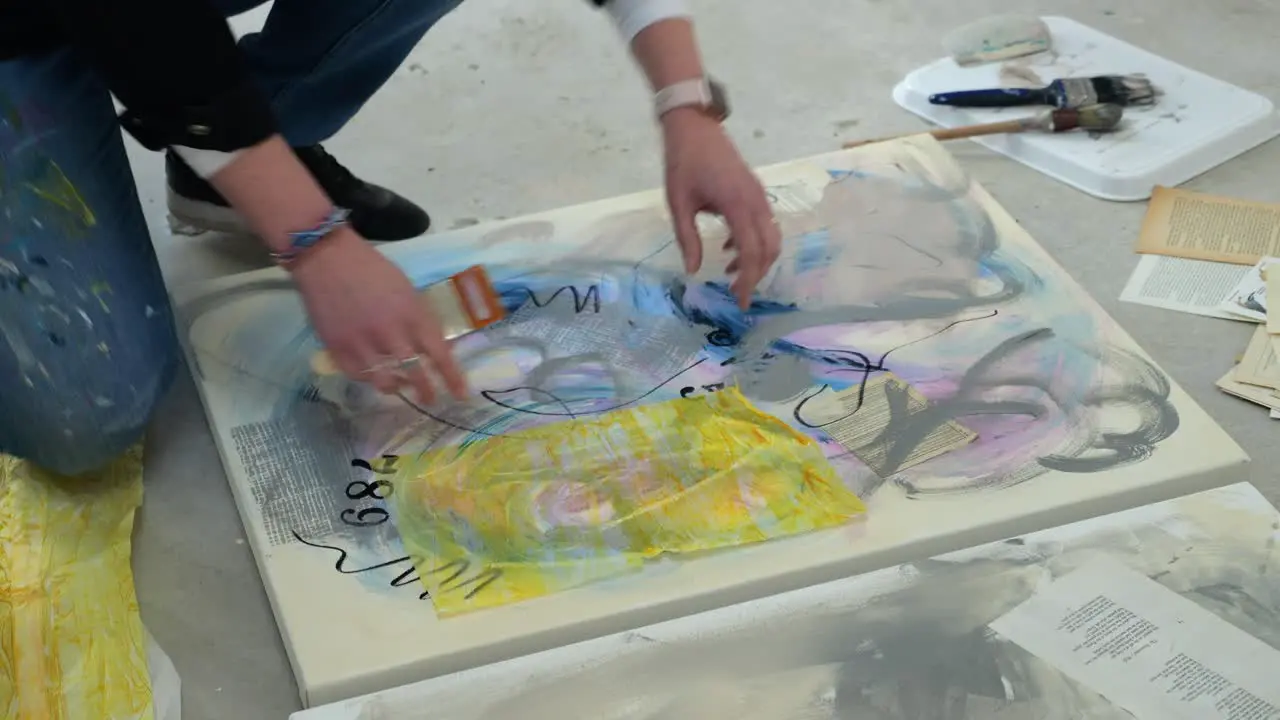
372, 321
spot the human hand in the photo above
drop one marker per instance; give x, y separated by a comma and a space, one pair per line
706, 173
370, 319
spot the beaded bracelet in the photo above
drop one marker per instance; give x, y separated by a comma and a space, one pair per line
304, 240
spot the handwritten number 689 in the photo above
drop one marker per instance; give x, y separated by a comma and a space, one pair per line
376, 490
365, 518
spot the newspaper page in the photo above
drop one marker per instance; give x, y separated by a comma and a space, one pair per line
1191, 286
1146, 648
1208, 227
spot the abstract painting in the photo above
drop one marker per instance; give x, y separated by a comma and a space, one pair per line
951, 375
910, 642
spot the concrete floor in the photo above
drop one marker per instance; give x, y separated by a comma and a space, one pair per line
510, 107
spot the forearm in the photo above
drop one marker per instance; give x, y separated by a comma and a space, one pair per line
273, 191
660, 34
667, 52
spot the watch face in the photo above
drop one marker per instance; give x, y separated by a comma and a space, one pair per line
719, 100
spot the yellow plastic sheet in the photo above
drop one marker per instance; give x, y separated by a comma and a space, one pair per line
540, 510
72, 645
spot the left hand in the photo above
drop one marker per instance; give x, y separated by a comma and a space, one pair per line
706, 173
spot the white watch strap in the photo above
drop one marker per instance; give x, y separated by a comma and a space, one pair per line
686, 92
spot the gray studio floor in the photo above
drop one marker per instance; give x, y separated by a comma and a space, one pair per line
511, 106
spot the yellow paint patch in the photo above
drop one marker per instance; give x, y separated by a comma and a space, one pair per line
54, 187
548, 508
71, 640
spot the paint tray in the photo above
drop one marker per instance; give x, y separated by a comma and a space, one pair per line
1198, 124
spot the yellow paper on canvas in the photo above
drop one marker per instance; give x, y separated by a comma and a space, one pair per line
556, 506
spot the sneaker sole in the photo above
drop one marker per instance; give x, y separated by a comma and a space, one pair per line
197, 216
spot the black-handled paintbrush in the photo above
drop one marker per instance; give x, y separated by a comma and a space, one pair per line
1123, 90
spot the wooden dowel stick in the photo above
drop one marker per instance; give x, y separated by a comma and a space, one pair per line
996, 128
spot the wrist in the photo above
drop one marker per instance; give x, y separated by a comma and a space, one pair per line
325, 255
684, 118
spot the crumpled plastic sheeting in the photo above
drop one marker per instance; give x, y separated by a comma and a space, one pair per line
72, 644
546, 508
166, 686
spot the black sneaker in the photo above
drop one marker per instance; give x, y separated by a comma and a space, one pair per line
376, 213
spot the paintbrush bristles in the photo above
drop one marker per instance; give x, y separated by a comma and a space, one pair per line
1121, 90
1126, 90
1092, 118
1103, 117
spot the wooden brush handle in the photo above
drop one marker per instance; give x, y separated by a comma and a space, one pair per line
967, 131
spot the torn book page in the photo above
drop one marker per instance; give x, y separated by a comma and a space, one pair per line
1248, 298
1197, 287
1253, 393
863, 420
1260, 365
1272, 279
72, 643
1208, 227
1145, 647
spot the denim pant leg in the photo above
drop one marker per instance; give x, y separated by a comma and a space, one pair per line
321, 60
87, 342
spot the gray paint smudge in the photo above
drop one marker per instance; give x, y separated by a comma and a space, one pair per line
921, 652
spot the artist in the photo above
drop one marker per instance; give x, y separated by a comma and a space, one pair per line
87, 343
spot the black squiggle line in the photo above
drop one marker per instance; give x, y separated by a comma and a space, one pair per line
554, 397
489, 395
343, 555
636, 267
937, 260
580, 300
799, 408
489, 575
936, 334
432, 416
866, 368
409, 577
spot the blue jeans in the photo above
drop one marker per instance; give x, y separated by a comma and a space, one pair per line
87, 340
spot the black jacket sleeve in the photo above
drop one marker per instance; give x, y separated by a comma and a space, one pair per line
175, 67
178, 73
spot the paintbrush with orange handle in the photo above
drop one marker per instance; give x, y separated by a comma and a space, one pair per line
463, 303
1093, 118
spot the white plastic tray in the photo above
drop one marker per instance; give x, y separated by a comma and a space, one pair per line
1199, 123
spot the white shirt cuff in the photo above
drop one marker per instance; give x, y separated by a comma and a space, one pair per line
632, 16
205, 163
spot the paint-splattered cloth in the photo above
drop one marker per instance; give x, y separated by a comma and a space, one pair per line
72, 644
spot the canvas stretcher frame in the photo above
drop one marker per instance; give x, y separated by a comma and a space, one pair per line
350, 610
